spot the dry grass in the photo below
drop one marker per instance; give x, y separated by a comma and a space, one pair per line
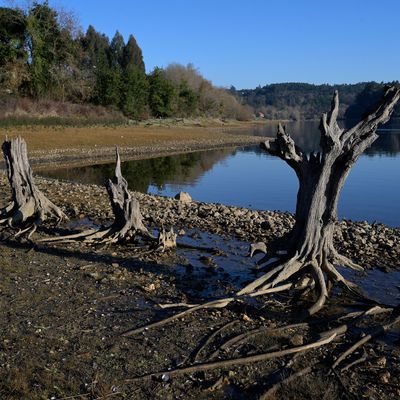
52, 138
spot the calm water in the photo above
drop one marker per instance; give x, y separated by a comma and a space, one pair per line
249, 177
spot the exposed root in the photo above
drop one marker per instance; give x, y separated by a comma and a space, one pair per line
380, 330
236, 361
243, 337
196, 355
220, 303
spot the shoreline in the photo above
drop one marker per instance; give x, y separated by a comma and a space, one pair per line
372, 245
86, 146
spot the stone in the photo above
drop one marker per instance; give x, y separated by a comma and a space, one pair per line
184, 197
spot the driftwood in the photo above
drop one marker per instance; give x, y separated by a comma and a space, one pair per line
128, 220
29, 206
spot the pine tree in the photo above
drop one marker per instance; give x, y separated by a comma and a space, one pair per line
116, 51
132, 55
134, 93
161, 95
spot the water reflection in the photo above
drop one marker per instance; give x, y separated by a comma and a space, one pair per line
141, 174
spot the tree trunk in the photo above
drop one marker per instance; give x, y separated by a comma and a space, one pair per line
321, 177
29, 206
127, 216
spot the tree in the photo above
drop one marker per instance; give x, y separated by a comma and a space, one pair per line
132, 55
95, 46
46, 45
134, 93
309, 246
107, 90
116, 51
187, 100
29, 206
161, 94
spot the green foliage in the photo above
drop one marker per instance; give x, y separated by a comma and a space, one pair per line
134, 93
108, 87
132, 55
46, 47
44, 59
12, 35
161, 95
302, 100
366, 100
188, 100
116, 51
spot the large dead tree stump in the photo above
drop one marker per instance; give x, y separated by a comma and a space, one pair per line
310, 257
309, 246
29, 206
128, 220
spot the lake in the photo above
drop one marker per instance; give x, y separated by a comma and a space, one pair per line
249, 177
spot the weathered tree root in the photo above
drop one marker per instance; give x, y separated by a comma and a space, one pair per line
29, 206
378, 331
213, 335
220, 303
236, 361
127, 218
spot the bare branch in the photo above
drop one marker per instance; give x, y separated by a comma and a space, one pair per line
284, 147
365, 129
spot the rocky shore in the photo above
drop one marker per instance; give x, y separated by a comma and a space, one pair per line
67, 305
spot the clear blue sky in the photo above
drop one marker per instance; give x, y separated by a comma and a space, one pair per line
246, 43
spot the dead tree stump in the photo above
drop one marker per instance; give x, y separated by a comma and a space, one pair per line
309, 246
128, 220
29, 206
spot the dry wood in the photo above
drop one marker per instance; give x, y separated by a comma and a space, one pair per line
220, 303
236, 361
380, 330
127, 216
244, 337
29, 206
211, 338
321, 177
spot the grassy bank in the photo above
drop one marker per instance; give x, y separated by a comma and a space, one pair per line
61, 145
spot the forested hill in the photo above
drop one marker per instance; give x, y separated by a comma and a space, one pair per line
306, 101
46, 60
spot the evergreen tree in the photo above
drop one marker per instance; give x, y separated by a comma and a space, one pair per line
108, 87
132, 55
134, 93
46, 47
116, 51
95, 46
188, 100
161, 94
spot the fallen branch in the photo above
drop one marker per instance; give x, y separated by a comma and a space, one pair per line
236, 361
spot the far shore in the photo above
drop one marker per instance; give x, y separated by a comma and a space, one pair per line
54, 147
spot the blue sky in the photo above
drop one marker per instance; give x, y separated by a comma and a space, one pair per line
255, 42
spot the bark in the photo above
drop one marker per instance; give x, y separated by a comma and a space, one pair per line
321, 177
128, 220
29, 206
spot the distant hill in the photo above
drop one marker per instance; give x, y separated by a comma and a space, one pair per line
298, 101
